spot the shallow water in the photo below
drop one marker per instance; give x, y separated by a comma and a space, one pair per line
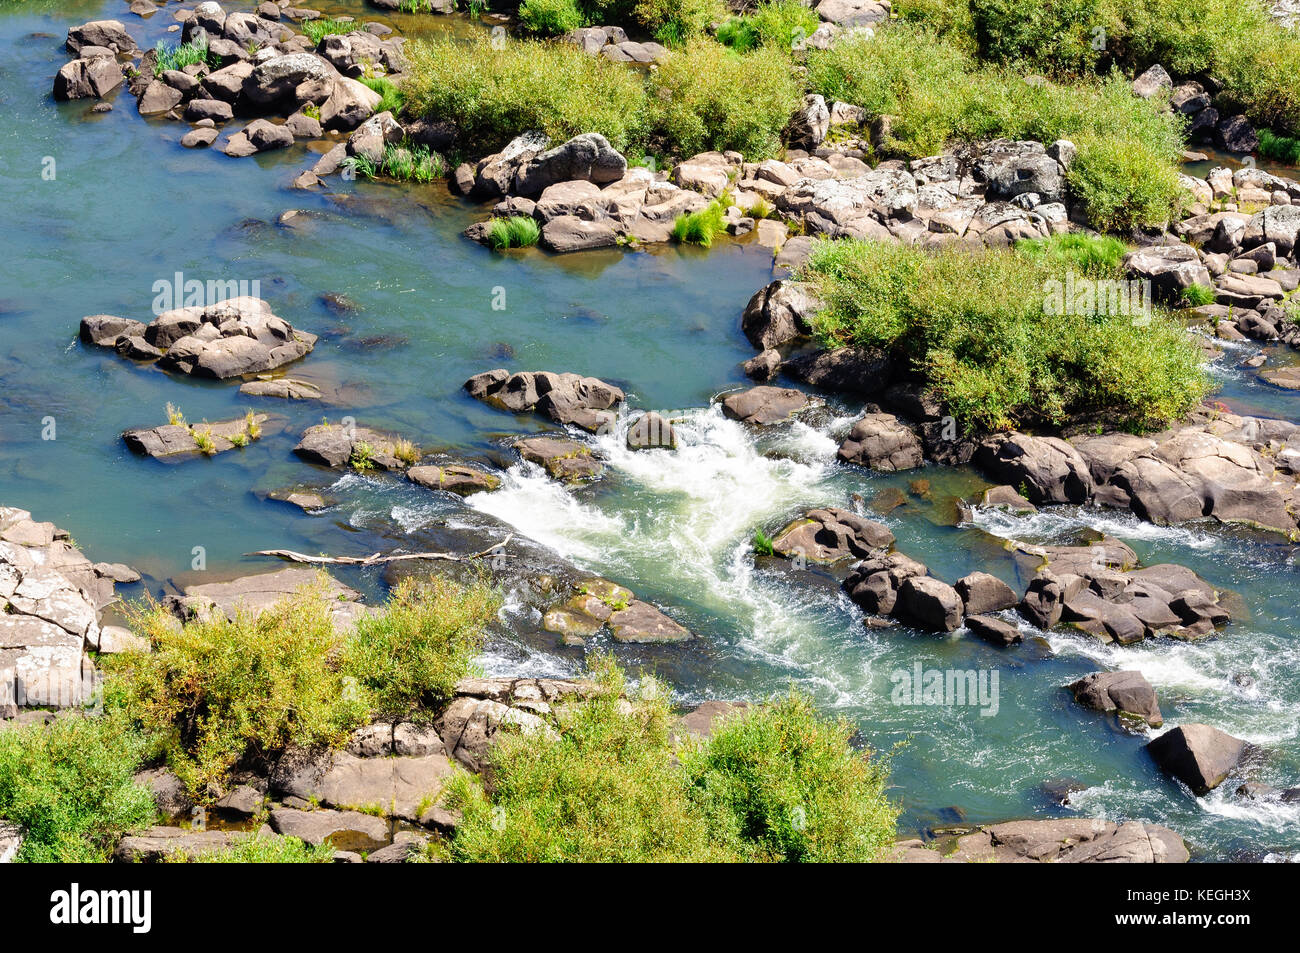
129, 207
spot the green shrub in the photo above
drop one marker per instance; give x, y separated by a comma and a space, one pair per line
605, 790
1070, 35
217, 691
517, 231
1122, 184
69, 786
978, 327
1196, 295
790, 785
777, 23
494, 95
699, 228
411, 655
707, 98
550, 17
778, 783
317, 29
675, 22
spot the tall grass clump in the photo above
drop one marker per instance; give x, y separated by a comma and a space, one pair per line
699, 228
178, 57
1093, 255
391, 97
318, 28
517, 231
69, 786
978, 327
494, 95
778, 783
705, 97
1279, 148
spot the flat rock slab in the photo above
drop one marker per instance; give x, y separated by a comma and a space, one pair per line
334, 445
1062, 841
454, 478
182, 440
344, 830
764, 404
157, 844
641, 622
402, 787
286, 388
259, 592
562, 458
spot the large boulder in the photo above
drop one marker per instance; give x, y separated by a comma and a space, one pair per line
1170, 268
929, 603
89, 78
809, 124
882, 442
831, 535
1046, 469
764, 404
1125, 693
854, 370
107, 34
982, 592
1015, 168
588, 157
290, 79
1200, 756
1277, 224
779, 313
565, 398
350, 103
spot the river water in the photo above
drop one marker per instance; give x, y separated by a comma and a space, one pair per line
128, 207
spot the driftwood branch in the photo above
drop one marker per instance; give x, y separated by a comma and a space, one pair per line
376, 558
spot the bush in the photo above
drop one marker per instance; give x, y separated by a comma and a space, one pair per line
778, 783
604, 791
411, 655
1069, 35
494, 95
708, 98
517, 231
550, 17
978, 327
791, 786
218, 692
674, 22
1122, 185
69, 786
1093, 255
777, 23
1284, 149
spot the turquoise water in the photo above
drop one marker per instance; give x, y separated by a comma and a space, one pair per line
129, 207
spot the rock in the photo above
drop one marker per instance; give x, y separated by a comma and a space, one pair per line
170, 440
588, 157
1072, 840
856, 370
335, 445
704, 719
708, 173
764, 404
1044, 601
341, 829
350, 103
469, 727
779, 313
105, 330
158, 98
11, 839
199, 138
157, 844
169, 793
1007, 498
1170, 268
215, 109
1126, 693
763, 367
109, 34
88, 78
830, 535
116, 640
1154, 80
266, 136
1200, 756
494, 175
290, 80
285, 388
1047, 469
853, 13
568, 233
641, 622
983, 593
564, 398
1238, 135
259, 592
993, 629
881, 442
243, 800
453, 478
929, 604
401, 787
1017, 168
649, 431
227, 83
809, 124
1276, 225
560, 457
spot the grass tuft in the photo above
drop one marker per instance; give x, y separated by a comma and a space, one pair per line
517, 231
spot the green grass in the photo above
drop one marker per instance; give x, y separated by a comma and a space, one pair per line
178, 57
217, 693
1093, 255
320, 27
1196, 295
411, 163
676, 22
699, 228
1279, 148
391, 97
778, 783
977, 327
763, 544
517, 231
69, 786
